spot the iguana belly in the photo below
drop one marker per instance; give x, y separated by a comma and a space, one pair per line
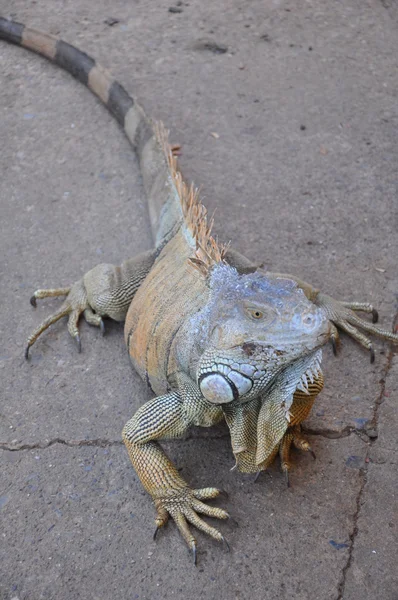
171, 293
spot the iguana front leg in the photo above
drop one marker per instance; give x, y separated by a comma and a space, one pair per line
105, 291
161, 418
340, 313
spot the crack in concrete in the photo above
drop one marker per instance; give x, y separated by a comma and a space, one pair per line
353, 535
104, 443
100, 443
363, 472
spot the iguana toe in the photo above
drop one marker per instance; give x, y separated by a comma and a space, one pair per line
62, 312
363, 307
49, 293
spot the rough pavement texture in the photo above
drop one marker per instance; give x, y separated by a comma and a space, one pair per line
302, 168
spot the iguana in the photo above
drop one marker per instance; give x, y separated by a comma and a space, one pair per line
213, 335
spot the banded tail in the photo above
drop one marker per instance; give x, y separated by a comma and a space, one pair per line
172, 204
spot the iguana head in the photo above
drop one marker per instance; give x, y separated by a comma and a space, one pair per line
253, 329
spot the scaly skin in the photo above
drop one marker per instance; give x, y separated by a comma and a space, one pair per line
212, 334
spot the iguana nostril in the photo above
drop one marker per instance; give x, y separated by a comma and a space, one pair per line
309, 321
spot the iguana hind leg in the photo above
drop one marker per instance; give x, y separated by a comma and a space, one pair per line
105, 291
294, 437
299, 411
161, 418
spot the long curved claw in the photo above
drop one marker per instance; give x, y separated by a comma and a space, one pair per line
223, 494
194, 554
78, 343
102, 327
334, 338
94, 319
286, 472
372, 355
227, 546
233, 521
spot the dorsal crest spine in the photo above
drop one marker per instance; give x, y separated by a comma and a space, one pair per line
207, 252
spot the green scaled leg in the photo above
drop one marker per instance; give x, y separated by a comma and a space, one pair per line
167, 417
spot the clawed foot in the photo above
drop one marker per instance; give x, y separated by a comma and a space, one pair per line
74, 305
182, 506
342, 315
292, 437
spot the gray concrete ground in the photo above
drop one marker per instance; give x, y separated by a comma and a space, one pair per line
303, 170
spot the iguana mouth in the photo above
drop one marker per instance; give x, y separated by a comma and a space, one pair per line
227, 380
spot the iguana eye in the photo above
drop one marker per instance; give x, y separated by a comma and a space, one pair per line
260, 313
254, 313
257, 314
